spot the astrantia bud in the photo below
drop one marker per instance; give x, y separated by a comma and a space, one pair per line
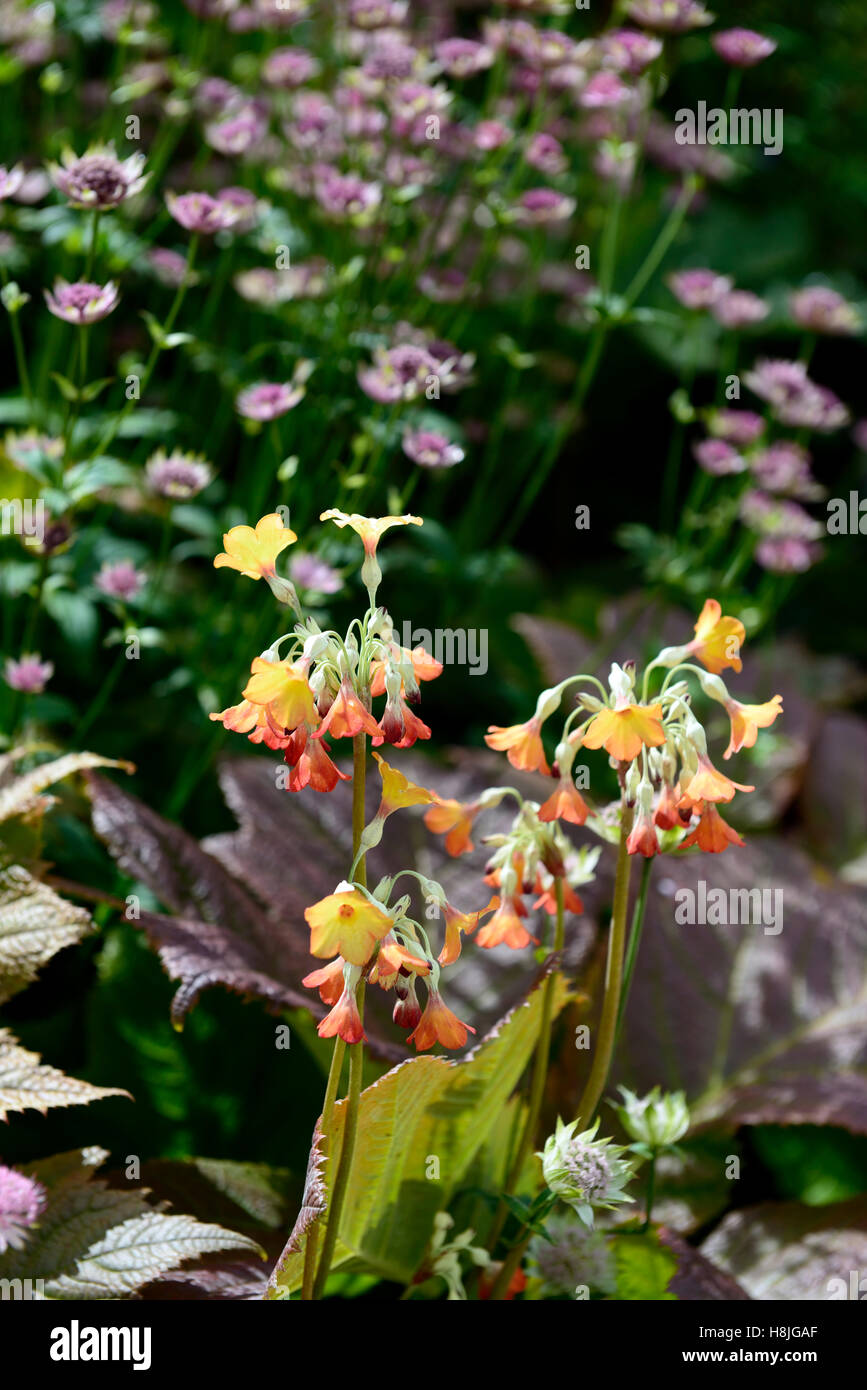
584, 1171
657, 1120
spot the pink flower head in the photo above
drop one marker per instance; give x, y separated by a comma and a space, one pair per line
443, 284
628, 50
431, 449
120, 580
238, 130
311, 573
698, 289
718, 458
743, 48
739, 309
774, 516
345, 195
376, 14
98, 179
463, 57
787, 554
170, 267
390, 58
822, 310
784, 467
741, 427
29, 673
545, 153
289, 67
491, 135
177, 476
22, 1201
669, 16
604, 91
268, 400
82, 303
541, 205
398, 374
10, 181
795, 399
245, 205
199, 212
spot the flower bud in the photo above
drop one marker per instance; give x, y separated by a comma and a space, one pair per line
657, 1120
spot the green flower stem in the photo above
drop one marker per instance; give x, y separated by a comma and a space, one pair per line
634, 943
110, 434
315, 1286
20, 356
540, 1072
613, 979
660, 247
651, 1190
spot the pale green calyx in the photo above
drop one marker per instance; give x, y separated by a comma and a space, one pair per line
658, 1119
586, 1172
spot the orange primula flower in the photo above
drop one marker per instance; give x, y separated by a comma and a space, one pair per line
369, 528
718, 640
712, 834
522, 744
625, 731
347, 715
328, 980
251, 720
666, 815
311, 765
254, 552
391, 959
746, 720
454, 820
458, 924
565, 803
506, 927
346, 923
438, 1024
344, 1020
709, 784
547, 899
398, 791
642, 838
424, 667
284, 691
400, 727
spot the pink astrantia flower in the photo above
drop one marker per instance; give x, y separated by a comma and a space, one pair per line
718, 458
98, 180
463, 57
739, 309
491, 135
739, 427
700, 288
822, 310
743, 48
774, 516
30, 674
345, 195
398, 374
787, 554
628, 50
376, 14
177, 476
10, 181
245, 205
309, 572
289, 67
82, 303
669, 16
604, 91
22, 1201
542, 205
784, 467
120, 580
795, 399
268, 400
238, 130
170, 267
199, 212
545, 153
431, 449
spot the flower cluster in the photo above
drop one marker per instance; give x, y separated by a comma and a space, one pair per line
671, 791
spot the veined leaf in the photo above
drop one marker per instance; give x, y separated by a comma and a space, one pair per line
425, 1109
22, 794
35, 923
782, 1251
26, 1083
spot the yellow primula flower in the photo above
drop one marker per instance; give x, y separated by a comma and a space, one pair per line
283, 691
348, 924
369, 528
398, 791
254, 552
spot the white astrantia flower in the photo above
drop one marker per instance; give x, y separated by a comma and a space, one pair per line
586, 1172
657, 1120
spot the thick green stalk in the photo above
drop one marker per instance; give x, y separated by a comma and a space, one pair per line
634, 942
613, 980
316, 1286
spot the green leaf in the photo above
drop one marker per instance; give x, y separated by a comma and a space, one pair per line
67, 388
424, 1109
26, 1083
74, 614
644, 1268
22, 795
95, 388
35, 923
